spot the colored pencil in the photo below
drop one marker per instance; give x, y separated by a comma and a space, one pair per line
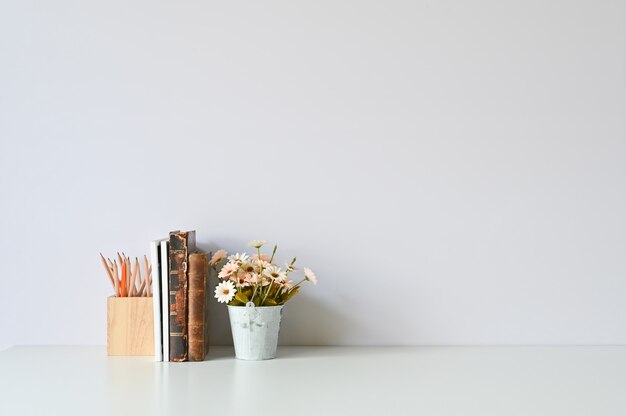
124, 285
117, 279
106, 267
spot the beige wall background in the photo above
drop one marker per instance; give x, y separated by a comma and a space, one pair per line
454, 172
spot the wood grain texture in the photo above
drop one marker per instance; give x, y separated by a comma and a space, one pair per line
130, 326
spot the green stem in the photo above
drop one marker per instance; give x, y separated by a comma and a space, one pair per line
289, 270
273, 252
296, 285
268, 291
260, 282
253, 293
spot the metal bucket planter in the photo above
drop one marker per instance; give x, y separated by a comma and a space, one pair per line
255, 330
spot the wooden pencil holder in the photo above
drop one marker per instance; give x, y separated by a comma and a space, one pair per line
130, 326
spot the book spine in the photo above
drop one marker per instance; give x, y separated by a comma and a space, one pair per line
156, 298
165, 300
207, 300
197, 306
181, 243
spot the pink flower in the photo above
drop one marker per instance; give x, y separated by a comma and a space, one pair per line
219, 255
227, 270
260, 263
252, 278
248, 268
263, 257
241, 279
287, 285
256, 279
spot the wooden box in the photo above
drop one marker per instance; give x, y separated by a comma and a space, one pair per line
130, 326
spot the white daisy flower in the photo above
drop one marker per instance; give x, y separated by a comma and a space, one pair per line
310, 276
238, 258
257, 243
274, 272
290, 267
228, 269
225, 292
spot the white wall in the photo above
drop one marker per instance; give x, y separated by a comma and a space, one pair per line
453, 171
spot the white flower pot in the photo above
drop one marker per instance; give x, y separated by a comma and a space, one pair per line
255, 330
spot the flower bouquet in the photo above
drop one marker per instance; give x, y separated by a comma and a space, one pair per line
255, 289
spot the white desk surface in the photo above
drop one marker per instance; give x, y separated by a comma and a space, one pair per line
429, 381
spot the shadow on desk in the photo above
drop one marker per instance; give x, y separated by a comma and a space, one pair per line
305, 321
285, 352
310, 321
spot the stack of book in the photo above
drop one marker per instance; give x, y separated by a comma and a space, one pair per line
180, 286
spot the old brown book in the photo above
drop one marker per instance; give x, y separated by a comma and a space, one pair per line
181, 244
198, 325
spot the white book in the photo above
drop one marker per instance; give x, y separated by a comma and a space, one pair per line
155, 258
165, 299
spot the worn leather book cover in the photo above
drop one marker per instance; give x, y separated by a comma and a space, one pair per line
197, 325
181, 244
